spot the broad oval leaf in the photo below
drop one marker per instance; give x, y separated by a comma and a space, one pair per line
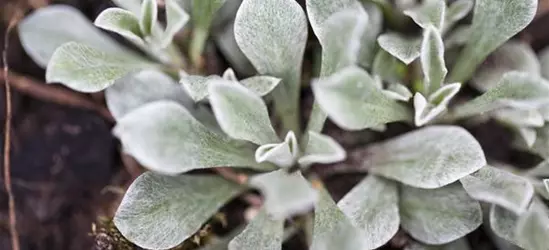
143, 87
503, 222
47, 28
321, 149
494, 22
319, 11
262, 233
499, 187
241, 113
513, 55
372, 205
431, 12
160, 212
261, 85
332, 229
87, 69
515, 89
122, 22
432, 60
164, 137
354, 89
438, 216
429, 158
286, 194
533, 227
404, 48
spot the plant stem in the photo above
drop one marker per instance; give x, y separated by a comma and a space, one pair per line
198, 42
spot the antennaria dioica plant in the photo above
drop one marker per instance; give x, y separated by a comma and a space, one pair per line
432, 183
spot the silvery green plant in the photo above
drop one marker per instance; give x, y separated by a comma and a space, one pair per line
433, 183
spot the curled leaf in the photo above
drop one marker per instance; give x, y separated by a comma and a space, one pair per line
403, 48
282, 154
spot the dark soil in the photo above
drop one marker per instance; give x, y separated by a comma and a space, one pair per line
67, 170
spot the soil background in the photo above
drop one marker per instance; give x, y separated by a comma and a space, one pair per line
67, 169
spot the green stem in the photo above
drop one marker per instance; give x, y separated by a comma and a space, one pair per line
198, 42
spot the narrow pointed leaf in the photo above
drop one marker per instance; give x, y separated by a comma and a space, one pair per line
427, 110
149, 14
368, 43
262, 233
515, 89
241, 113
432, 60
546, 184
60, 24
164, 137
430, 13
398, 92
494, 22
286, 194
87, 69
431, 157
282, 154
321, 149
197, 86
499, 187
176, 18
353, 89
143, 87
404, 48
332, 229
372, 205
160, 212
438, 216
261, 85
122, 22
513, 55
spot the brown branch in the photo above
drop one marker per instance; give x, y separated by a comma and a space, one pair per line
7, 134
55, 94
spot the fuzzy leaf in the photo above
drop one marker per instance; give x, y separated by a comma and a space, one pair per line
197, 86
261, 85
432, 12
286, 194
262, 233
499, 187
388, 68
241, 113
176, 18
429, 158
533, 227
282, 154
541, 145
204, 12
432, 60
87, 69
332, 229
164, 137
160, 212
515, 89
494, 22
543, 60
122, 22
368, 47
457, 11
321, 149
404, 48
260, 22
513, 55
320, 11
503, 223
438, 216
460, 244
398, 92
143, 87
519, 117
372, 205
427, 110
60, 24
353, 89
149, 14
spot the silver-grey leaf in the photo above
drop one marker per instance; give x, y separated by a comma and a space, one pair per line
513, 55
354, 89
164, 137
515, 89
438, 216
261, 85
404, 48
432, 60
47, 28
176, 18
494, 22
431, 157
372, 205
456, 11
533, 227
503, 222
262, 233
241, 113
543, 60
88, 69
431, 12
149, 14
283, 155
321, 149
286, 194
160, 212
499, 187
122, 22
